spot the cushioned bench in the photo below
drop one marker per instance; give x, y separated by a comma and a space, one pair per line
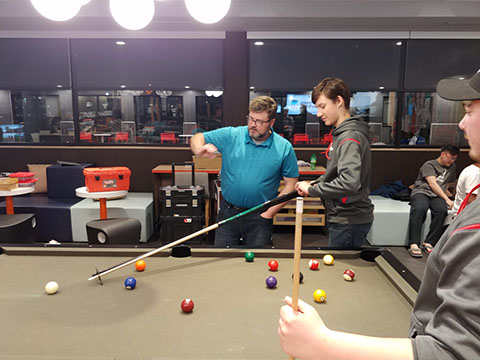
134, 205
52, 215
390, 226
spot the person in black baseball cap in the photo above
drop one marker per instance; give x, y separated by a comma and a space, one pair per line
467, 90
445, 322
460, 89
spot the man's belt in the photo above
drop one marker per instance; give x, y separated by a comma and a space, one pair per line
234, 206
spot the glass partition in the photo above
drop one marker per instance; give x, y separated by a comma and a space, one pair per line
36, 117
297, 121
430, 120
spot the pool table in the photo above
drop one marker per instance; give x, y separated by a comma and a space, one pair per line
235, 314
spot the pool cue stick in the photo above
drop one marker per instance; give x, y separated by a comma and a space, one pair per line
256, 209
296, 255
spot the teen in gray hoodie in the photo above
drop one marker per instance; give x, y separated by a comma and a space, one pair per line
345, 186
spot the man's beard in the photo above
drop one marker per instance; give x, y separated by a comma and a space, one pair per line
259, 135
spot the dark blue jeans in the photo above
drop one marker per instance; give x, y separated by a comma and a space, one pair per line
347, 236
255, 230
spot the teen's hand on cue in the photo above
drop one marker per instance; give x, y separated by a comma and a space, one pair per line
302, 331
302, 187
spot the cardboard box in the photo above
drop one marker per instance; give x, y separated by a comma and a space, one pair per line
205, 163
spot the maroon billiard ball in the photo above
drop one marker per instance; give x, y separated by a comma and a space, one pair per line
273, 265
187, 305
313, 264
348, 274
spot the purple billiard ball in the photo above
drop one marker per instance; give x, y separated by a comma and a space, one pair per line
271, 282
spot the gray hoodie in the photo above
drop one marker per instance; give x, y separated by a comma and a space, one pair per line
345, 186
446, 317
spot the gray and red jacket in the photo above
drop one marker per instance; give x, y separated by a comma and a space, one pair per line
446, 316
345, 186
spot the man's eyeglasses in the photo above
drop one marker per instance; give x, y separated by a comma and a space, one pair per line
256, 121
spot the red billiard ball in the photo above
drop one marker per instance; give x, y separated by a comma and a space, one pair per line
187, 305
313, 264
348, 274
273, 265
140, 265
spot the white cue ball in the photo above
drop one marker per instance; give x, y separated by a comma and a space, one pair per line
51, 288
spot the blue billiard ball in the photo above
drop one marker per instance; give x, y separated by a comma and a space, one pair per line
271, 282
130, 283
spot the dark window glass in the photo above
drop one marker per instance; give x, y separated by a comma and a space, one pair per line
36, 116
430, 120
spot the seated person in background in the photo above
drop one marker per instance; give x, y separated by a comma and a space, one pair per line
254, 160
446, 317
429, 193
468, 179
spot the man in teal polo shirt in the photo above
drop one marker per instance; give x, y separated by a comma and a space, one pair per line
254, 160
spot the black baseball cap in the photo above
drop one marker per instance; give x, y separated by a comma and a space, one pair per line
457, 89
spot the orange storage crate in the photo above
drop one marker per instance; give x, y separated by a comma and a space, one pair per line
107, 178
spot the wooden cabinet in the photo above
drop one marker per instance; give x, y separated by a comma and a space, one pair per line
313, 213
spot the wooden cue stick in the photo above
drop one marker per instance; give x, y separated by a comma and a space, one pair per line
297, 254
153, 252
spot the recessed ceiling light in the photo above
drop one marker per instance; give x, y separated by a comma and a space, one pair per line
107, 93
59, 86
381, 87
252, 87
187, 87
122, 86
120, 42
462, 78
399, 43
259, 43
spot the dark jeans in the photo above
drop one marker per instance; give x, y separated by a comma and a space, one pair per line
419, 205
255, 230
347, 236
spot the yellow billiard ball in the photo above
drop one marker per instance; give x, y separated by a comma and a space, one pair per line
328, 260
319, 295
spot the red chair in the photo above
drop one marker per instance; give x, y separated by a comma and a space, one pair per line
300, 139
327, 139
168, 137
120, 137
85, 136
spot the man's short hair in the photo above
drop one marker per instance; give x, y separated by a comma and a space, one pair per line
332, 87
263, 103
451, 149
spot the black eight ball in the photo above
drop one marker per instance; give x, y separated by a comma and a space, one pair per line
301, 277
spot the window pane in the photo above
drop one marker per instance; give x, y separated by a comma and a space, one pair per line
378, 110
101, 118
430, 120
297, 115
209, 111
36, 116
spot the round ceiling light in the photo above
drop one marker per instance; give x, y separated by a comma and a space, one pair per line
132, 14
208, 11
57, 10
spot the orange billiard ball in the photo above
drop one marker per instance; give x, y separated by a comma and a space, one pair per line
140, 265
